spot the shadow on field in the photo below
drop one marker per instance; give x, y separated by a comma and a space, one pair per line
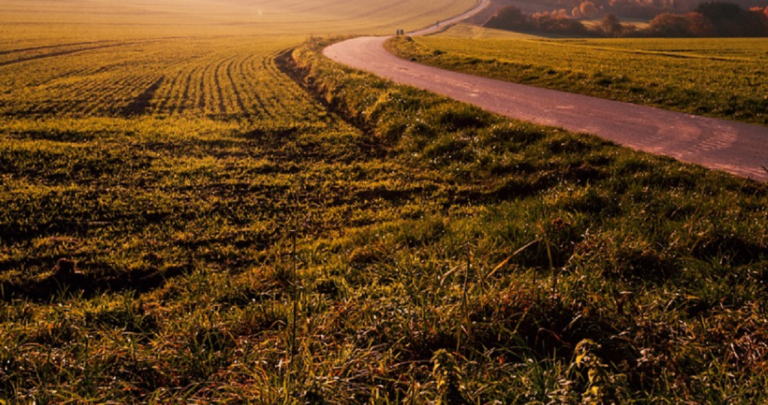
67, 279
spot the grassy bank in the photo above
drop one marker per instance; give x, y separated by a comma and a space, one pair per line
441, 254
713, 77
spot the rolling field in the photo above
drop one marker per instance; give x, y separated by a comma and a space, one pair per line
468, 31
192, 78
197, 208
149, 143
714, 77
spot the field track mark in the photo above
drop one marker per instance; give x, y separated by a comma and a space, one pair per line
201, 102
163, 95
238, 98
667, 54
186, 101
40, 48
62, 53
277, 103
52, 79
248, 73
244, 73
217, 87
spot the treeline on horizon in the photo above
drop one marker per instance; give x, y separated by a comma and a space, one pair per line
712, 19
640, 9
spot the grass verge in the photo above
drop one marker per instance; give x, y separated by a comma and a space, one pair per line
713, 77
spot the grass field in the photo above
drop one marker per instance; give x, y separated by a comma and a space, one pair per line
181, 222
469, 31
714, 77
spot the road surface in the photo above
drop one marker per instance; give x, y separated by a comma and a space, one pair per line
738, 148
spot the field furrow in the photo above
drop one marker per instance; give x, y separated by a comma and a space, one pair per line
238, 104
23, 59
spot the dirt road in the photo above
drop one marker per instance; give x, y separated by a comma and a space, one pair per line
734, 147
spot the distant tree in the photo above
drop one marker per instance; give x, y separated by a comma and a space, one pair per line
670, 25
699, 25
730, 20
645, 9
719, 11
508, 18
711, 20
611, 26
557, 24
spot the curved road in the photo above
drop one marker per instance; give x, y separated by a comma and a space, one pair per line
738, 148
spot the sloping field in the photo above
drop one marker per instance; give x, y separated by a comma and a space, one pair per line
714, 77
151, 141
181, 222
192, 77
84, 58
468, 31
54, 21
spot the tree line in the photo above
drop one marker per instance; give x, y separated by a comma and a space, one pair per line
642, 9
712, 19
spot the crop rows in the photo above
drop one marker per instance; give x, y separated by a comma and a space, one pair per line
445, 254
177, 77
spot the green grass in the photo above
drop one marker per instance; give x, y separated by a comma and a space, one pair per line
443, 254
714, 77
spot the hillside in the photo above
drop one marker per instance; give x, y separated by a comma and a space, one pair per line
196, 207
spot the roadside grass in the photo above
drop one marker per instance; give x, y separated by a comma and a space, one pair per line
713, 77
443, 254
582, 256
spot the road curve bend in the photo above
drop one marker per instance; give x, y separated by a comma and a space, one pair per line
734, 147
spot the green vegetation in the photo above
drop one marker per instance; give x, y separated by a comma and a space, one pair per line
182, 222
714, 77
442, 253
